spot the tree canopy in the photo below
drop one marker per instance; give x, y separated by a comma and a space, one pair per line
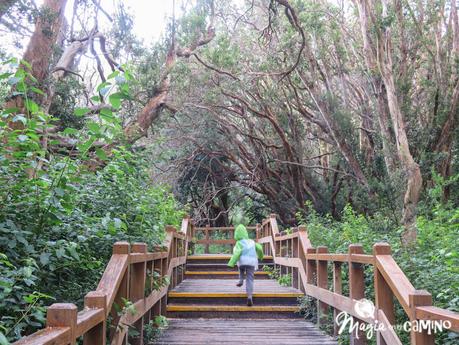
307, 108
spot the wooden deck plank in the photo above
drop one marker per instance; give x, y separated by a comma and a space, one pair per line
235, 308
175, 294
216, 273
217, 257
229, 286
254, 332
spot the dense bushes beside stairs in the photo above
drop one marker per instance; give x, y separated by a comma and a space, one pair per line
433, 264
57, 230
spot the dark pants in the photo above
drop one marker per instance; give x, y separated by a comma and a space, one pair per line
248, 272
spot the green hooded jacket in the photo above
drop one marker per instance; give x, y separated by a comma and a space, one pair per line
239, 235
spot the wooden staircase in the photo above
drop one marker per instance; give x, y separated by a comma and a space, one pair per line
208, 308
211, 292
199, 295
214, 266
247, 332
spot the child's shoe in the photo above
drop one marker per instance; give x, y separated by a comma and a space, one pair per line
250, 301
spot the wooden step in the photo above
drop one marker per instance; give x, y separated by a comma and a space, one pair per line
242, 332
235, 308
232, 311
219, 258
235, 298
177, 294
226, 286
199, 266
221, 274
219, 298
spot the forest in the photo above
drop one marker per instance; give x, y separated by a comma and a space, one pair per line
339, 115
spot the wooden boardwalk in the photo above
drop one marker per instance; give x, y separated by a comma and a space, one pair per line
213, 310
228, 287
198, 294
243, 332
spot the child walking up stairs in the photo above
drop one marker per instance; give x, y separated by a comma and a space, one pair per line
208, 308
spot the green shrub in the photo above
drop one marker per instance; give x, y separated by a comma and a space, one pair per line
58, 218
433, 264
56, 236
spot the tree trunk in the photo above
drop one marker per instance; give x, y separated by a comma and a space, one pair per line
139, 127
411, 168
378, 86
445, 140
40, 48
383, 54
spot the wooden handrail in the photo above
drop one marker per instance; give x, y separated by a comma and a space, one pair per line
293, 254
221, 228
128, 276
207, 241
434, 313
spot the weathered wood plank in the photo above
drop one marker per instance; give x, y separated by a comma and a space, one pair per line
229, 286
112, 277
142, 257
245, 332
48, 336
387, 332
217, 273
435, 313
396, 279
89, 318
215, 257
175, 294
236, 308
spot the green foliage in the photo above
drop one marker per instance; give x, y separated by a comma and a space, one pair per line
154, 328
308, 308
285, 279
193, 23
225, 54
66, 96
352, 228
58, 218
274, 273
433, 264
159, 282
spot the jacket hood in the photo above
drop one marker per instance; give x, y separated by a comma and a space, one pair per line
241, 233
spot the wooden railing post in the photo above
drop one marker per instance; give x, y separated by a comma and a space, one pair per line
190, 236
97, 334
156, 309
207, 239
356, 288
273, 222
137, 289
322, 282
311, 269
63, 315
170, 230
164, 269
337, 288
295, 253
384, 297
418, 335
122, 248
301, 255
